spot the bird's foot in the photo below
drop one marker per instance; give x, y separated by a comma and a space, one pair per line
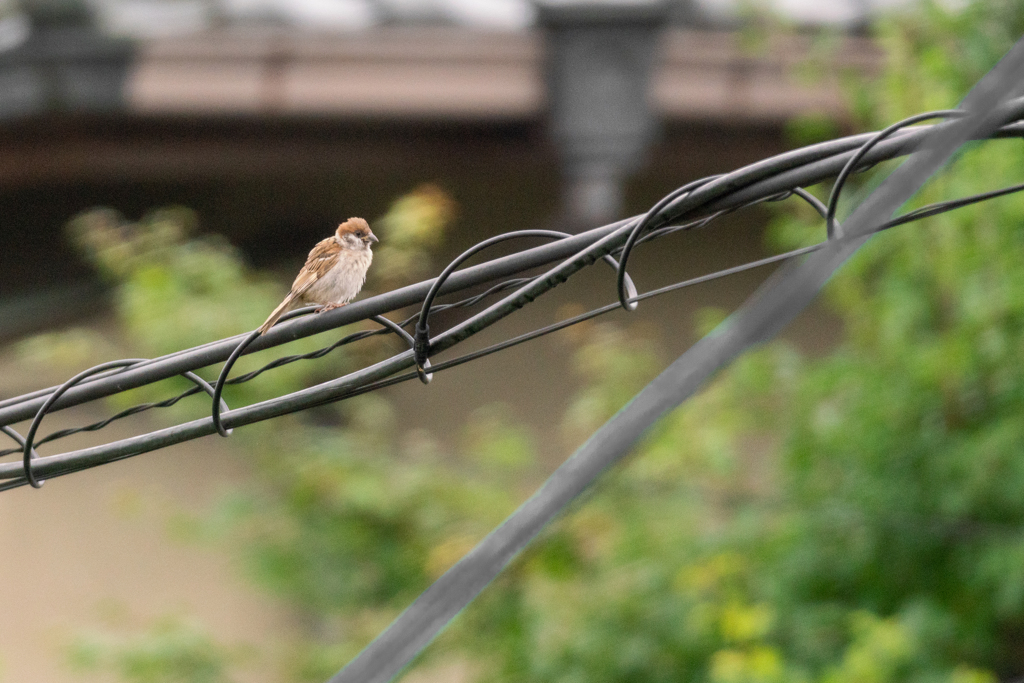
329, 307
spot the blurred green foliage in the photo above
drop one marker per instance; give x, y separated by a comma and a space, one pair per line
848, 518
855, 518
173, 651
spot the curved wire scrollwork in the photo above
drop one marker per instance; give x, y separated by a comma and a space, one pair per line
29, 452
218, 405
421, 345
692, 206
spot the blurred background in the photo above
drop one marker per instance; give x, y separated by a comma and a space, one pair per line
839, 507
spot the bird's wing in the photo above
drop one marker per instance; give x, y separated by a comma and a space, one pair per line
321, 259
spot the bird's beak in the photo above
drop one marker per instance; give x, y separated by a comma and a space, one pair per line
372, 238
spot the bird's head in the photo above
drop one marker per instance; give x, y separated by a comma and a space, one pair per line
355, 234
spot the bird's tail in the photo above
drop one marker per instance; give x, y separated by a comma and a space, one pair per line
282, 308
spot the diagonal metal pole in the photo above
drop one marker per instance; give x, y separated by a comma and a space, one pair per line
770, 309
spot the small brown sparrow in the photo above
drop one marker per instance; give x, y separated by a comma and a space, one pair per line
334, 272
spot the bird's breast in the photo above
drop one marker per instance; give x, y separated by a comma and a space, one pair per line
342, 282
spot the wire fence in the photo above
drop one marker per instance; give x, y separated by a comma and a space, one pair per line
993, 109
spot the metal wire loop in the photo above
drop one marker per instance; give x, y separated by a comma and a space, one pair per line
421, 371
218, 388
29, 452
20, 440
832, 227
815, 203
645, 222
421, 343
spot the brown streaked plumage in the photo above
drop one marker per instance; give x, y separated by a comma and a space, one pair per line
334, 272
